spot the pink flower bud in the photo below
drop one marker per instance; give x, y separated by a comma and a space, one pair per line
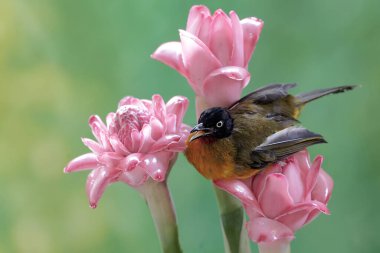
283, 197
213, 53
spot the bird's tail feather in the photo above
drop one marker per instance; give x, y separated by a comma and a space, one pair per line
310, 96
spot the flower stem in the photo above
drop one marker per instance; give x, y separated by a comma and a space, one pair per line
162, 210
278, 246
232, 218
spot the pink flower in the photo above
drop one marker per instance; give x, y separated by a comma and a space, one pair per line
282, 198
139, 141
213, 54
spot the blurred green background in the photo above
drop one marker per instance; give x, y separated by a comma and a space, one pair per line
61, 61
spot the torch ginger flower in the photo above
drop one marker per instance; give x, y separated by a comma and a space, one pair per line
213, 54
138, 142
283, 197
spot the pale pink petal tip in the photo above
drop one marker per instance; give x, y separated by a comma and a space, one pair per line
196, 18
200, 8
253, 20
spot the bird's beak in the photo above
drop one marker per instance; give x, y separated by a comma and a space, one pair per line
199, 131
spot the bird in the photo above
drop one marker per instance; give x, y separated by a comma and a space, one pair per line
262, 128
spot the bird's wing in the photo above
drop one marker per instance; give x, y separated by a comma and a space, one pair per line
282, 144
265, 95
272, 101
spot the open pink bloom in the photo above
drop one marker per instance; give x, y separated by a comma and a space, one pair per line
213, 53
282, 198
138, 141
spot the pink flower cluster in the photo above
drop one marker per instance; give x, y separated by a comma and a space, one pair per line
283, 197
138, 141
213, 53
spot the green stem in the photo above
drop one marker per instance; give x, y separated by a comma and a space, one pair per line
233, 220
278, 246
162, 210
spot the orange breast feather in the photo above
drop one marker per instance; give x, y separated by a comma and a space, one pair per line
213, 158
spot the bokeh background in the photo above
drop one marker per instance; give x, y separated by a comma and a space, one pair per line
61, 61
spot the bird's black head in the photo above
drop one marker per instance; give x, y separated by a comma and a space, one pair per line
215, 122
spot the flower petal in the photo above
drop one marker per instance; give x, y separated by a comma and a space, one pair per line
132, 101
195, 19
97, 182
221, 38
136, 140
259, 179
164, 142
110, 159
171, 124
251, 30
146, 140
303, 159
275, 198
323, 188
158, 129
97, 122
159, 107
297, 216
135, 177
92, 145
204, 32
198, 59
156, 165
83, 162
117, 146
177, 105
296, 184
316, 212
131, 161
295, 220
180, 145
147, 103
312, 176
237, 56
99, 130
170, 53
109, 119
238, 189
223, 86
262, 230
